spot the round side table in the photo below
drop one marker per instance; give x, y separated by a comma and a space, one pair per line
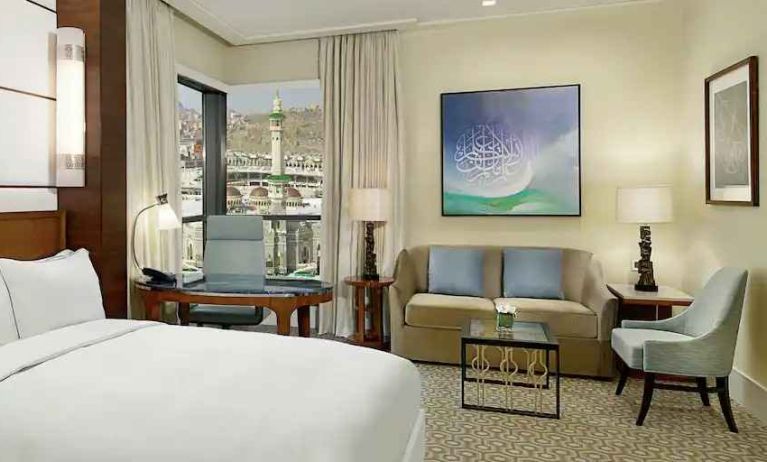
368, 296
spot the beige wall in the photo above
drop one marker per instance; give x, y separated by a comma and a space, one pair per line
626, 59
272, 62
199, 50
719, 34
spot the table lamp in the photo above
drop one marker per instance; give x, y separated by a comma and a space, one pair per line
166, 220
645, 205
369, 205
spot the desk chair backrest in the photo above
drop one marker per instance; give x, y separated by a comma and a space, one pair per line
235, 245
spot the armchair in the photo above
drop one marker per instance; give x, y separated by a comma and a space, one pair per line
698, 343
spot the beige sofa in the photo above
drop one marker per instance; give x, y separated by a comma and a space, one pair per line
426, 327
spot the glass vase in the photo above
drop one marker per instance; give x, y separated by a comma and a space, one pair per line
504, 322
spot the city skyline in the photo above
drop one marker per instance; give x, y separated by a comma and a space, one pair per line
257, 98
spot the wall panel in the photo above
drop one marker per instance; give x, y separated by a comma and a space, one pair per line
27, 48
28, 143
27, 200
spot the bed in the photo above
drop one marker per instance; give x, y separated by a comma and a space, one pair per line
124, 390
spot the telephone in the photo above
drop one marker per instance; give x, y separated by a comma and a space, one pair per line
159, 277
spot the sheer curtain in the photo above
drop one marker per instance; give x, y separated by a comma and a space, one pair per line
153, 162
363, 148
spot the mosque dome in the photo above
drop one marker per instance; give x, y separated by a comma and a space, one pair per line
259, 192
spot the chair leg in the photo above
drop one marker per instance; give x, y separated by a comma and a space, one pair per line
649, 387
624, 375
723, 390
703, 390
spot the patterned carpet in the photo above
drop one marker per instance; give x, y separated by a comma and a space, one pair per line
595, 425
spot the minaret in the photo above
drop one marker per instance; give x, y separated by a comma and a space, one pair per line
277, 180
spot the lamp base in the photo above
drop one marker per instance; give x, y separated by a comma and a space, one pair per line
645, 288
370, 272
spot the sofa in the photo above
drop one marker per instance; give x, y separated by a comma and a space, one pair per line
427, 326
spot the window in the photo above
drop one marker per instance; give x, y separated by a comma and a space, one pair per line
274, 157
202, 131
192, 153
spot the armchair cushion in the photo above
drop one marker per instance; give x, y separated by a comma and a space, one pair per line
629, 343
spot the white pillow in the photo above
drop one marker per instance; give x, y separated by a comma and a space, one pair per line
8, 331
52, 293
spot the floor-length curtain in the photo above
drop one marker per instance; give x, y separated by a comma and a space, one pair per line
363, 149
153, 162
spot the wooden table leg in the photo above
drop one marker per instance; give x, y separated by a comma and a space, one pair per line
376, 298
359, 296
304, 321
283, 322
183, 313
151, 307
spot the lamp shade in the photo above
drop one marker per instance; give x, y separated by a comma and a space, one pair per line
645, 204
167, 218
369, 204
70, 107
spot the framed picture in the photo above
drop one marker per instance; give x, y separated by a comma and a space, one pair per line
512, 152
732, 135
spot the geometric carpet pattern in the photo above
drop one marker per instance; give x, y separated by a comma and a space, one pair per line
596, 425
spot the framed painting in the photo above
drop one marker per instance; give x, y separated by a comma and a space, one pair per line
512, 152
732, 135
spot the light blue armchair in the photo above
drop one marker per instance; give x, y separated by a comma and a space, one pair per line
698, 343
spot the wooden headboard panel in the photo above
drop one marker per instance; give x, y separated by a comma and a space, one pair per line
32, 235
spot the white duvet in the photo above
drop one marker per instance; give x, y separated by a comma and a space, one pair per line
116, 390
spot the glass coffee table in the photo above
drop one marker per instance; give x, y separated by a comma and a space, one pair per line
514, 375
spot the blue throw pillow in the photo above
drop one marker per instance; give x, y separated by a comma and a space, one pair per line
456, 271
532, 273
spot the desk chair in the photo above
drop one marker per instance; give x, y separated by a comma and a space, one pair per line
233, 245
698, 343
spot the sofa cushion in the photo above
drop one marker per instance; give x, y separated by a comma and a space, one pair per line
446, 311
532, 273
629, 343
565, 318
456, 271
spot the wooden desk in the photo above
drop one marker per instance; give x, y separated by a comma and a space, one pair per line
281, 296
373, 337
648, 306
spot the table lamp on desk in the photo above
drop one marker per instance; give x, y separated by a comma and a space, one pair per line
645, 205
166, 220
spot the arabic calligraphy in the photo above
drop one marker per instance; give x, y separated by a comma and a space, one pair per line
490, 154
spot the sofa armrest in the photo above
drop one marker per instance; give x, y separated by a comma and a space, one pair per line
402, 290
600, 300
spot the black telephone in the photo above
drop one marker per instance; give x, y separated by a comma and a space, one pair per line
159, 277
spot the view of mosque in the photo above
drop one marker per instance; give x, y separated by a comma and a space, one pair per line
274, 169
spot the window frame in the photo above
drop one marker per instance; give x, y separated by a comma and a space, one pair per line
214, 114
214, 148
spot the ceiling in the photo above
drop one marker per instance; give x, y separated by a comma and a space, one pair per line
241, 22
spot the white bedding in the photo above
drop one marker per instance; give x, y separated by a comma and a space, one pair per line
139, 391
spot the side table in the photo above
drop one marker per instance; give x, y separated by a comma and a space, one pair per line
368, 297
647, 306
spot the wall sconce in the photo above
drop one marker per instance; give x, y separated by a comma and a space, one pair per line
70, 107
